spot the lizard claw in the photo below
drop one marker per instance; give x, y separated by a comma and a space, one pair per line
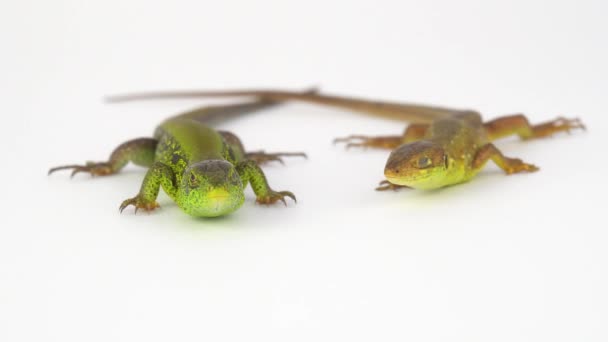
95, 169
569, 124
382, 142
386, 185
517, 166
138, 203
261, 157
351, 140
560, 124
275, 196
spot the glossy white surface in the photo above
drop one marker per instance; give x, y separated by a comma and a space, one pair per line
517, 258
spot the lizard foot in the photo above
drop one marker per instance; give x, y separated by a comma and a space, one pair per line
139, 203
385, 142
274, 196
261, 157
514, 165
386, 185
560, 124
95, 169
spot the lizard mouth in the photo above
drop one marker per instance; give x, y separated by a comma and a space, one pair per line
218, 197
218, 194
402, 180
217, 205
411, 180
215, 202
218, 202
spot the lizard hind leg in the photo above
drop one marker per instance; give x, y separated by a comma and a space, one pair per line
261, 157
519, 124
412, 133
138, 151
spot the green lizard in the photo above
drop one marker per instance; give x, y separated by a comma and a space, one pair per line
203, 170
441, 147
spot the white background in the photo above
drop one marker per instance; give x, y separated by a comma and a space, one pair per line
502, 258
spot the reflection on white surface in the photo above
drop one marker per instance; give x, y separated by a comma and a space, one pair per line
502, 258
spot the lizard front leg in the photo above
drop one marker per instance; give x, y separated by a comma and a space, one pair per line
519, 124
251, 173
138, 151
158, 175
509, 165
412, 133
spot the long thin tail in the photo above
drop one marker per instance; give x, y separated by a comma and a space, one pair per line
391, 110
220, 113
212, 115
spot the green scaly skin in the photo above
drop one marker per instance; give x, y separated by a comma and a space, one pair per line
442, 147
203, 170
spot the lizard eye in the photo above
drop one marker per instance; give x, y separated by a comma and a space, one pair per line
424, 162
193, 181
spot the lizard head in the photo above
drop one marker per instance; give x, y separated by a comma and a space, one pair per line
420, 165
210, 188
